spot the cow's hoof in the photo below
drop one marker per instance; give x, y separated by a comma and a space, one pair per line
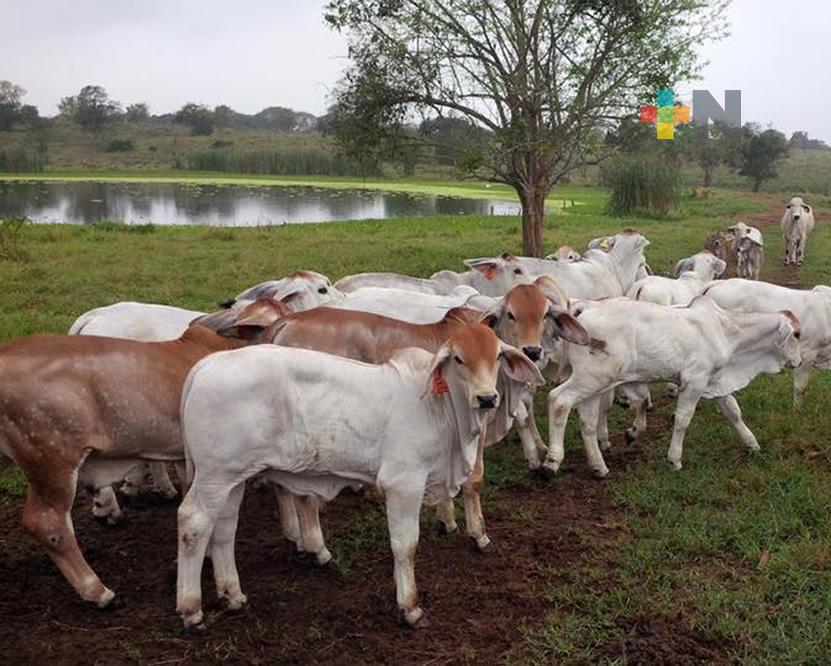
484, 545
630, 435
323, 557
542, 473
109, 520
108, 601
235, 602
194, 624
600, 472
444, 530
415, 618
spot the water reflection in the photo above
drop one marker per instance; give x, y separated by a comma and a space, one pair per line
171, 203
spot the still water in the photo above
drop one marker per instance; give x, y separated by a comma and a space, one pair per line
222, 205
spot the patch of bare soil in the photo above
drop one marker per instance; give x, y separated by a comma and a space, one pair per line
298, 613
650, 640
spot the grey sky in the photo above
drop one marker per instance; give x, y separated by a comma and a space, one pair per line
256, 53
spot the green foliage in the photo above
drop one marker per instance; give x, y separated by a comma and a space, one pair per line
759, 154
292, 162
137, 113
21, 160
12, 247
120, 146
10, 107
642, 185
92, 108
198, 117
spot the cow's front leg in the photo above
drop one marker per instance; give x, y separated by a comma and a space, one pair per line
471, 489
162, 485
800, 250
560, 401
403, 507
730, 410
308, 514
687, 401
607, 399
98, 476
786, 260
287, 511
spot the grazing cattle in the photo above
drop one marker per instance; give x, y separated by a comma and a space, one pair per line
88, 409
316, 423
811, 307
529, 317
748, 246
720, 243
390, 281
797, 224
566, 254
694, 273
708, 351
491, 276
411, 306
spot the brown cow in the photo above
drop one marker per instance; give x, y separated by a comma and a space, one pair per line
520, 319
88, 409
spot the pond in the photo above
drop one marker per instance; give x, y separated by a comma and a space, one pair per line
222, 205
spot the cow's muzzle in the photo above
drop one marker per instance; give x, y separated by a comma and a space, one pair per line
487, 400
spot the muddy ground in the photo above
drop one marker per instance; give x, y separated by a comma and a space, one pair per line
479, 605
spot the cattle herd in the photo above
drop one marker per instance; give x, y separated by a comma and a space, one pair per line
389, 381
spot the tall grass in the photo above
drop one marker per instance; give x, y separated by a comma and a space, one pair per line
642, 185
21, 160
287, 162
11, 239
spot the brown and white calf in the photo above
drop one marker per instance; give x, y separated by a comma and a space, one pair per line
89, 409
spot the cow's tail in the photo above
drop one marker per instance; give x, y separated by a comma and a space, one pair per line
81, 322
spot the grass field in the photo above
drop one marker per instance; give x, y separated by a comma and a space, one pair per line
734, 548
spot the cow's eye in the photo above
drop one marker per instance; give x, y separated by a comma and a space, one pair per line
511, 316
458, 360
517, 271
323, 290
797, 335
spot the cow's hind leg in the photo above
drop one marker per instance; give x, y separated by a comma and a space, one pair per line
47, 518
98, 475
730, 410
197, 516
287, 511
607, 400
589, 410
687, 401
308, 514
801, 376
221, 549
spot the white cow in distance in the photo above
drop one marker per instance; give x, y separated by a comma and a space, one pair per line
411, 427
797, 224
694, 274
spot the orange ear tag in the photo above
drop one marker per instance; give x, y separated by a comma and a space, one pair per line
490, 272
439, 382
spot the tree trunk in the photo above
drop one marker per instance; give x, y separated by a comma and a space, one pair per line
533, 215
708, 176
757, 183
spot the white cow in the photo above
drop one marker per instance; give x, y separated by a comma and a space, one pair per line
599, 274
491, 276
317, 423
411, 306
390, 281
812, 308
694, 275
708, 351
797, 223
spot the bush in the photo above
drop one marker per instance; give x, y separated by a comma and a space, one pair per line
288, 162
11, 239
120, 146
19, 160
642, 185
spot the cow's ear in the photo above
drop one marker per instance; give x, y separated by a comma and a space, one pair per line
518, 366
807, 208
720, 267
290, 298
683, 266
436, 382
486, 266
567, 327
493, 314
250, 322
552, 290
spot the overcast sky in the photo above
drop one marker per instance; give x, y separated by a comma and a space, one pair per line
251, 54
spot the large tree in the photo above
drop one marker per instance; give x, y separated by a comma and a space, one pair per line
759, 153
10, 107
91, 108
541, 76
